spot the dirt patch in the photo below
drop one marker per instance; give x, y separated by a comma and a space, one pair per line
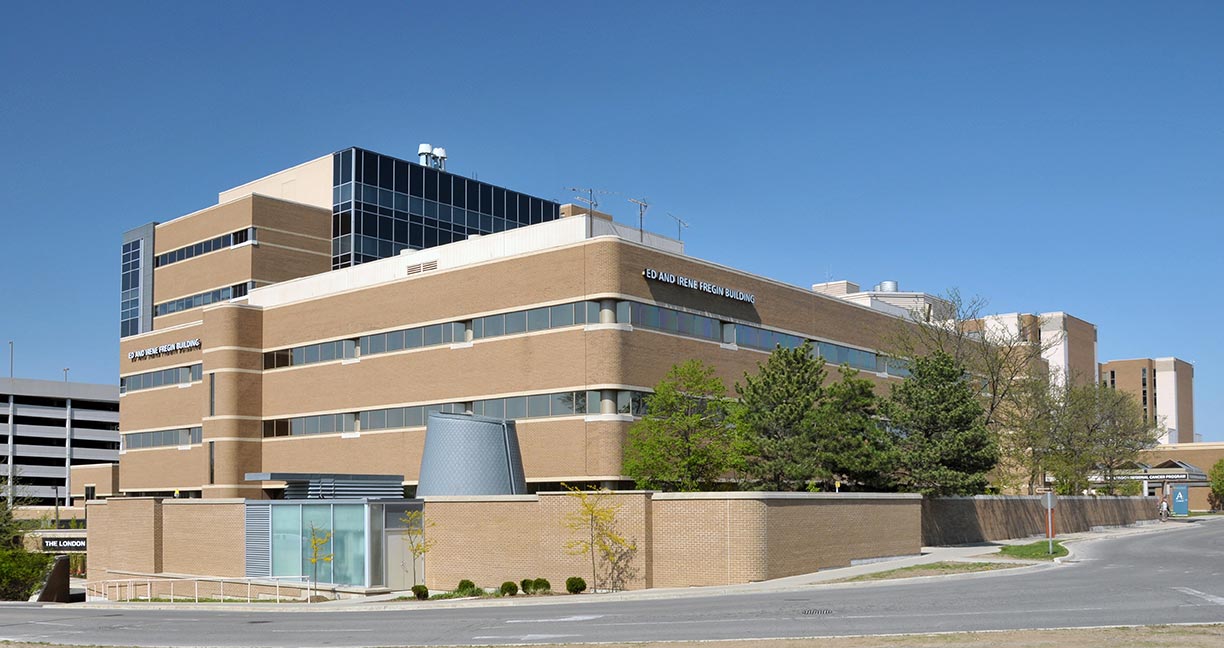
933, 569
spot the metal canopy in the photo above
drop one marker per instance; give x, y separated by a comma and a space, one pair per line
331, 485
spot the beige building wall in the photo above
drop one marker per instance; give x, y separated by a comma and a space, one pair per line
1167, 397
309, 183
236, 395
291, 240
682, 539
1081, 355
104, 478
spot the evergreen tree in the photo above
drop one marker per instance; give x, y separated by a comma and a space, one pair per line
937, 423
850, 444
685, 442
776, 415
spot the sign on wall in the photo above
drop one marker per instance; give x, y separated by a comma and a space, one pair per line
696, 284
63, 544
165, 349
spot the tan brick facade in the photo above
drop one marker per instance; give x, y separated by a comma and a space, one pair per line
683, 539
236, 394
145, 535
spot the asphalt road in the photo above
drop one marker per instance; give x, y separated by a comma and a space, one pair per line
1162, 577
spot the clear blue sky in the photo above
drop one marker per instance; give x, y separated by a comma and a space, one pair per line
1046, 156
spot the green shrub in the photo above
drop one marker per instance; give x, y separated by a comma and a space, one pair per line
527, 585
420, 592
508, 588
465, 585
21, 573
575, 585
76, 565
540, 586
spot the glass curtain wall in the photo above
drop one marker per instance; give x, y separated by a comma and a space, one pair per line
291, 535
382, 205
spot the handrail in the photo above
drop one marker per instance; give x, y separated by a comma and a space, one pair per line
133, 586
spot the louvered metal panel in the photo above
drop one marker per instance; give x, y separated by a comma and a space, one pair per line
258, 539
299, 486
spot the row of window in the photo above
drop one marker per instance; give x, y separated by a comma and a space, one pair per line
161, 378
638, 314
203, 299
384, 173
514, 407
311, 353
536, 319
706, 328
176, 437
204, 247
660, 318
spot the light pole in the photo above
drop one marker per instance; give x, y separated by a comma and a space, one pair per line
65, 374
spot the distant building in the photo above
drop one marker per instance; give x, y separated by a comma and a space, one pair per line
1068, 343
1165, 389
49, 426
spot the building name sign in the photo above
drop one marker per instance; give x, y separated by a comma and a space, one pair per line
695, 284
63, 544
153, 352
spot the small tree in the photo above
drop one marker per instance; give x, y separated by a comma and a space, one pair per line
11, 498
417, 543
595, 524
1215, 477
318, 539
685, 441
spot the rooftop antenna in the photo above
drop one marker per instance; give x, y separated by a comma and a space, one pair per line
591, 201
679, 225
643, 205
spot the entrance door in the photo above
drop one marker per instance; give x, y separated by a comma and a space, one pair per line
398, 561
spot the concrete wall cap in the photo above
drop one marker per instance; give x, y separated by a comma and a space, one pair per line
478, 498
766, 495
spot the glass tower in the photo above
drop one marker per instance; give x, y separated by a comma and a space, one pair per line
383, 205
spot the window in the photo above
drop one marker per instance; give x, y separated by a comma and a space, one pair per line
162, 377
159, 438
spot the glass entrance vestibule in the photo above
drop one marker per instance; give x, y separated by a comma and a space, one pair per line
367, 539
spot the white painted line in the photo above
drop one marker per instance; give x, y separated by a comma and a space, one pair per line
530, 637
1218, 600
579, 617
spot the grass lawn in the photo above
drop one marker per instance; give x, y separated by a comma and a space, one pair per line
1035, 551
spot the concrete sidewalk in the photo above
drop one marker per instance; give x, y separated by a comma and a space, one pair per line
983, 552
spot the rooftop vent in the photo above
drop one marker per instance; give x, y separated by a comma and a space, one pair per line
432, 156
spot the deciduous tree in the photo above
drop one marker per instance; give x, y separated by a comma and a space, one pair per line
417, 542
685, 442
598, 536
1215, 477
